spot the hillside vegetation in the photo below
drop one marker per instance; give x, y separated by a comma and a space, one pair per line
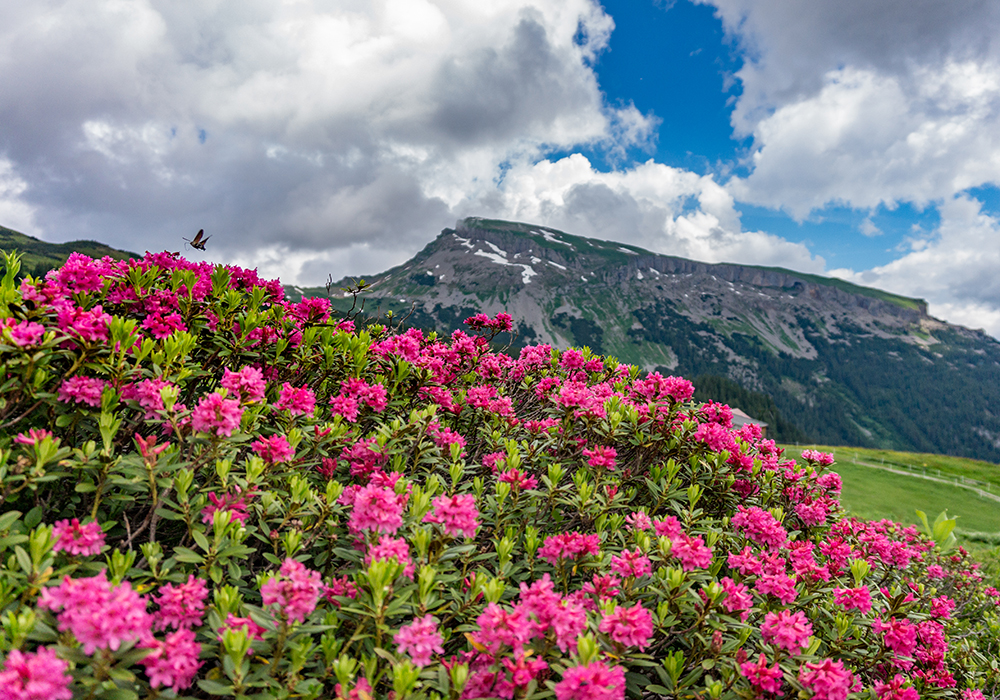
208, 490
38, 257
843, 364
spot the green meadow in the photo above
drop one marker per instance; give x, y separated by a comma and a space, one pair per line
874, 493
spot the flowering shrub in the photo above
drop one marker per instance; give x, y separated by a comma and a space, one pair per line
208, 490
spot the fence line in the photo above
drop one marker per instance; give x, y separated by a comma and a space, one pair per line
981, 488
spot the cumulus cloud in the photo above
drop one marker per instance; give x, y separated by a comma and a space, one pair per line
301, 132
954, 268
665, 209
867, 105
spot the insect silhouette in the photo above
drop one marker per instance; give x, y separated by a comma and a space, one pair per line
199, 241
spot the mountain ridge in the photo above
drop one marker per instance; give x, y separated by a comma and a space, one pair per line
849, 364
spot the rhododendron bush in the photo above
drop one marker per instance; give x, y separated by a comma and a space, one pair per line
208, 490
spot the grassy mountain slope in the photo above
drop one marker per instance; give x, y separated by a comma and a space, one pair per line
846, 364
38, 257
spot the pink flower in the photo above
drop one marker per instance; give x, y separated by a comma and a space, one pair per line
38, 676
942, 606
569, 545
77, 539
779, 585
716, 437
631, 564
601, 457
217, 415
80, 273
518, 480
362, 690
595, 681
762, 676
788, 630
629, 626
898, 635
99, 615
273, 449
831, 482
295, 590
85, 390
812, 512
377, 508
147, 393
935, 571
760, 526
181, 605
391, 548
568, 619
27, 334
231, 502
522, 672
638, 520
343, 586
373, 395
602, 587
668, 527
571, 360
298, 402
499, 627
89, 326
248, 383
859, 599
420, 639
173, 661
692, 552
894, 690
828, 679
823, 458
738, 598
34, 436
345, 406
160, 326
457, 514
253, 630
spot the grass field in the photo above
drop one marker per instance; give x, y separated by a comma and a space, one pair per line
874, 493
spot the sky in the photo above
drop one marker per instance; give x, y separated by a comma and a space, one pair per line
316, 138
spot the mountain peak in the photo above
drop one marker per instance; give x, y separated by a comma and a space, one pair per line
832, 354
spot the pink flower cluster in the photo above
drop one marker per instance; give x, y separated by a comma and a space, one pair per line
273, 449
787, 630
456, 514
99, 615
295, 590
76, 539
569, 545
631, 626
181, 605
420, 639
35, 676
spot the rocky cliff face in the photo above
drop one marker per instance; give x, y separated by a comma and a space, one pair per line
849, 364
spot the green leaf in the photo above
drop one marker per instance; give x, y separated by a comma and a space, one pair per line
187, 556
201, 540
215, 688
8, 518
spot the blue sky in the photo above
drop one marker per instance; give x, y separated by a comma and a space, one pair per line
854, 138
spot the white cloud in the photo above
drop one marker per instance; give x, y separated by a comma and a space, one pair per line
867, 139
664, 209
955, 268
299, 127
870, 104
868, 228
